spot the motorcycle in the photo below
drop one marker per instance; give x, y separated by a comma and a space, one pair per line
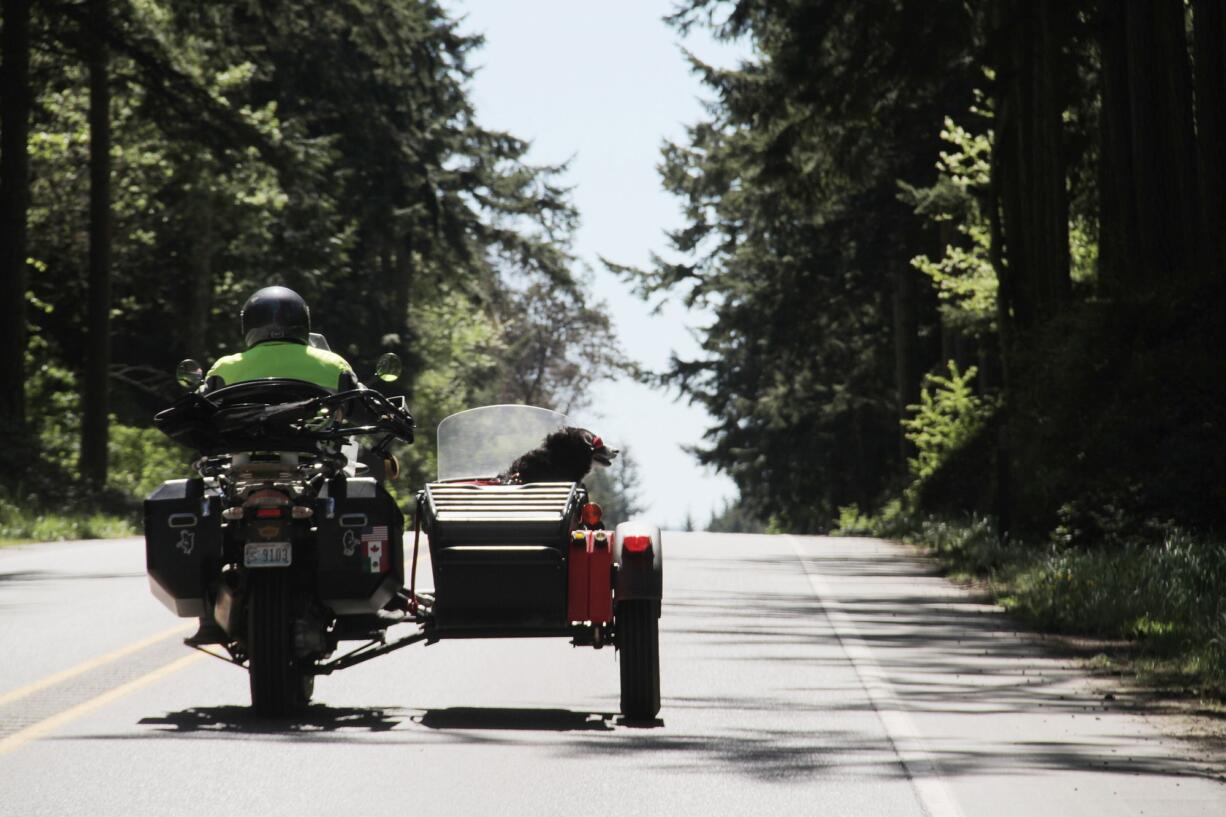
283, 545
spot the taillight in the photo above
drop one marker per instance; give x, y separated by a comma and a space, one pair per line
591, 514
268, 513
636, 544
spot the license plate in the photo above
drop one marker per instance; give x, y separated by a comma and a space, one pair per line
267, 554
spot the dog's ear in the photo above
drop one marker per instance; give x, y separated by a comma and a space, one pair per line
601, 453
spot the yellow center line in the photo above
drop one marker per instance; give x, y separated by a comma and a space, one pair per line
93, 663
68, 715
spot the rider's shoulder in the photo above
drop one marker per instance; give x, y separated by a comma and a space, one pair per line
325, 356
228, 360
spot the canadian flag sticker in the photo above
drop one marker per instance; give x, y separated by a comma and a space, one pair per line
374, 545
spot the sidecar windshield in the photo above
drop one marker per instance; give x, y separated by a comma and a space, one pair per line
483, 442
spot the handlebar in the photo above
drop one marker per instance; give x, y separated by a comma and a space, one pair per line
387, 417
244, 414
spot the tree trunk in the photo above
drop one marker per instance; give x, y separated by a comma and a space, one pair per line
402, 290
1209, 31
906, 351
199, 284
1163, 146
1051, 284
96, 405
1119, 247
14, 205
1028, 198
1030, 113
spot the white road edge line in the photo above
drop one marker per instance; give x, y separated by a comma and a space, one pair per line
917, 760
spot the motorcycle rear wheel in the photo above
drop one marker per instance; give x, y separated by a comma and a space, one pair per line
278, 686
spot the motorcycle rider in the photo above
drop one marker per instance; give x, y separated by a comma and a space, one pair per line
276, 327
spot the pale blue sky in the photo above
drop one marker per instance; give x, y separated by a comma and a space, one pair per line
604, 85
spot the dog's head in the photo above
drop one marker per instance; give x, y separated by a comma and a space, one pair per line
574, 444
601, 453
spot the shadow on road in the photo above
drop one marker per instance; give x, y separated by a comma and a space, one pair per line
952, 661
537, 720
240, 719
322, 720
771, 693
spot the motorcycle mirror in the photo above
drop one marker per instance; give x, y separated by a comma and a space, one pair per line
190, 374
388, 368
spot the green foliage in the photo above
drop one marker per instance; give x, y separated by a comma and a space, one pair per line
964, 277
20, 523
552, 348
1162, 591
948, 415
461, 346
1167, 596
852, 521
359, 176
733, 518
777, 184
142, 458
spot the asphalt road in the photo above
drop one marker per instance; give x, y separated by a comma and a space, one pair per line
800, 676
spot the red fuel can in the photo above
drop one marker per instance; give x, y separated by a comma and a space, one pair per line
578, 581
600, 577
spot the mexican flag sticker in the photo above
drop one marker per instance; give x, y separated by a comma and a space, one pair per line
375, 549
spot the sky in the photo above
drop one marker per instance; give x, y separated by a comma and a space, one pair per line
604, 85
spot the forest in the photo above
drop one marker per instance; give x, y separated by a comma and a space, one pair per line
163, 160
964, 261
966, 267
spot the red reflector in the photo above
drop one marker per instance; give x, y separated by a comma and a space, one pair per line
591, 514
636, 544
266, 513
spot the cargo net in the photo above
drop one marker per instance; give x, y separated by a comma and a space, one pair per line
534, 502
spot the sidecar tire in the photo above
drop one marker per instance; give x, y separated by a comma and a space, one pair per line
638, 640
278, 687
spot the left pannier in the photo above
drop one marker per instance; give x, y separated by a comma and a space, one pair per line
182, 544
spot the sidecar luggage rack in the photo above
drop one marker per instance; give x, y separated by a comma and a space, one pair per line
472, 514
498, 554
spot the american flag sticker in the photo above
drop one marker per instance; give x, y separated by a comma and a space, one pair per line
374, 546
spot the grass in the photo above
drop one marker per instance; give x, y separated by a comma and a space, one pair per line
1165, 598
19, 525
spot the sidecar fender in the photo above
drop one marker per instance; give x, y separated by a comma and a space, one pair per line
640, 571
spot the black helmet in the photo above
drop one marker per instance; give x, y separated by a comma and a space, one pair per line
275, 313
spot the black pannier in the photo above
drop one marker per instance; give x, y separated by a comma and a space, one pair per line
182, 544
360, 546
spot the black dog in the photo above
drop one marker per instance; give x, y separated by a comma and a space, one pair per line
566, 456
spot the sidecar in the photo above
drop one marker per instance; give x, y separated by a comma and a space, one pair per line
537, 560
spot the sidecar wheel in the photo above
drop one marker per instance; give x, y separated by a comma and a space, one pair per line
278, 687
638, 640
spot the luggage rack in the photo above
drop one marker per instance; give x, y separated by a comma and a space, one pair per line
458, 502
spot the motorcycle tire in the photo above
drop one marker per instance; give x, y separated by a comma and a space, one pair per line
638, 641
278, 686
